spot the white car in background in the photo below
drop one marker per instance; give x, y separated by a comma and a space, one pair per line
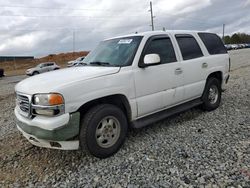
75, 62
41, 68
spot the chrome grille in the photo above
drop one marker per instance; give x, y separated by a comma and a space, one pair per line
23, 103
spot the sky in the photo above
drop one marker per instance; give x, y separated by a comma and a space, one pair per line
42, 27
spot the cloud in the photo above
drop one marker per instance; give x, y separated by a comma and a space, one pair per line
180, 6
247, 3
47, 26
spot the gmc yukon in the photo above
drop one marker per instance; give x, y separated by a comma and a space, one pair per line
131, 80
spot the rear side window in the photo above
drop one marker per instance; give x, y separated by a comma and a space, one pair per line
213, 43
189, 47
163, 47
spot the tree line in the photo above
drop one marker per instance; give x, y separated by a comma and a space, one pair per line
237, 38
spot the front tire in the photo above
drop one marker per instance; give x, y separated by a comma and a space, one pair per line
103, 130
35, 73
212, 94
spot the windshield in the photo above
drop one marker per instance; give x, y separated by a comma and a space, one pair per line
114, 52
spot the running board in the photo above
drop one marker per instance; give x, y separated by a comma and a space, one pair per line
142, 122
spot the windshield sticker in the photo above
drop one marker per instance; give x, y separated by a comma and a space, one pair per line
125, 41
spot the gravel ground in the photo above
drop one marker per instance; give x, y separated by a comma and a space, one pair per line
191, 149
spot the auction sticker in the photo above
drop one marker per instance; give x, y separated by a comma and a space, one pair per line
125, 41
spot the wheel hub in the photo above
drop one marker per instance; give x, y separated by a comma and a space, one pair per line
107, 132
213, 94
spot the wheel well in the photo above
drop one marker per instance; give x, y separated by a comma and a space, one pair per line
217, 75
117, 100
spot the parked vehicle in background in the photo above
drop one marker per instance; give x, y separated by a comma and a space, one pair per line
234, 46
133, 80
1, 72
79, 64
75, 62
240, 46
228, 46
41, 68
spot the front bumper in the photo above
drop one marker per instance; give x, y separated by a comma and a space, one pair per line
62, 145
52, 132
28, 73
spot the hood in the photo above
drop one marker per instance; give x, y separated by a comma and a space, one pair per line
52, 81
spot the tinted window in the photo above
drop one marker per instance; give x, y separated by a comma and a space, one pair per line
163, 47
213, 43
189, 47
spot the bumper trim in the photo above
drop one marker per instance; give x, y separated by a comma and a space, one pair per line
62, 133
61, 145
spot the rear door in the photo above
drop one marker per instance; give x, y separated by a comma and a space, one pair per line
194, 66
158, 86
51, 66
43, 68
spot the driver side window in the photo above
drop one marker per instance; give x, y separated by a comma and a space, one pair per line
163, 47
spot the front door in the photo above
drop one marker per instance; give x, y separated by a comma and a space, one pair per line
158, 86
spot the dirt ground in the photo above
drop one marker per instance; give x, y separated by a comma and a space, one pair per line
191, 149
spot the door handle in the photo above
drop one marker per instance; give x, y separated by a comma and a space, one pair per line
178, 71
204, 65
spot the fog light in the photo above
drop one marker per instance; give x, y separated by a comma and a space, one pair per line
55, 144
44, 112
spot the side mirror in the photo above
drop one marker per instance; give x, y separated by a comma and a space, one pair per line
151, 59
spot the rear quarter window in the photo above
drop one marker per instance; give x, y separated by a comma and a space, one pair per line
213, 43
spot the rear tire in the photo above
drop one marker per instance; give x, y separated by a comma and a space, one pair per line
103, 130
212, 94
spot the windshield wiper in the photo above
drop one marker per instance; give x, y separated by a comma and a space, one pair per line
99, 63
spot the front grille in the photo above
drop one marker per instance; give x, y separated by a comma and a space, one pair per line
23, 103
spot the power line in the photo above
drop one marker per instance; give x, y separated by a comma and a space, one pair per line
60, 8
71, 28
84, 16
93, 17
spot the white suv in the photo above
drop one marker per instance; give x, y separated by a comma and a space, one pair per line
76, 62
41, 68
132, 80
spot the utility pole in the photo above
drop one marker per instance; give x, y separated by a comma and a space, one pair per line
74, 43
223, 33
152, 16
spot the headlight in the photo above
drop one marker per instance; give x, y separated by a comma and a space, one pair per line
48, 99
48, 104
